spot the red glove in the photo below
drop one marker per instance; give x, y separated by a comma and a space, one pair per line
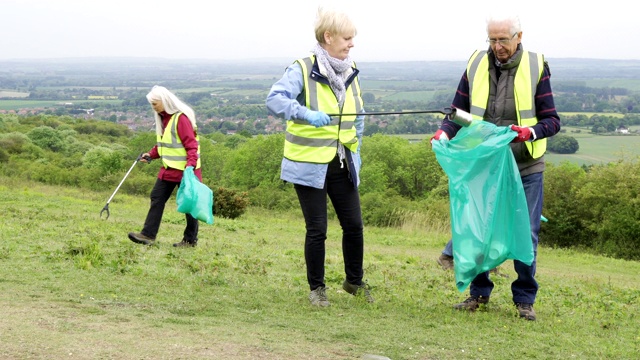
439, 134
524, 133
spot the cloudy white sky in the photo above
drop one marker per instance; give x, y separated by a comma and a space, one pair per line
391, 30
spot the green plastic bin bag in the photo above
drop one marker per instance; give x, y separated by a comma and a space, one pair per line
488, 209
194, 197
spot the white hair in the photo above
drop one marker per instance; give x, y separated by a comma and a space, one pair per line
512, 20
171, 105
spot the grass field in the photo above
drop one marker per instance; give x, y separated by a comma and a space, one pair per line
590, 114
12, 94
31, 104
73, 286
27, 104
598, 149
632, 85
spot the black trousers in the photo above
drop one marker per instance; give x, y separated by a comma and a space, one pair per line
160, 193
346, 202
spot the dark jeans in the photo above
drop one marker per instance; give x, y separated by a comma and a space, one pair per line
525, 287
160, 193
346, 202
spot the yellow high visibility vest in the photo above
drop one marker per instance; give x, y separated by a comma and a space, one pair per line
303, 141
531, 67
170, 147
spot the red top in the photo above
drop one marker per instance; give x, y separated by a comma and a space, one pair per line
188, 137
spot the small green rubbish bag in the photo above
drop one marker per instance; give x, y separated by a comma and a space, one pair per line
194, 197
488, 209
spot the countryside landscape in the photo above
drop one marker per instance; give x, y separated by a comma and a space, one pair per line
73, 286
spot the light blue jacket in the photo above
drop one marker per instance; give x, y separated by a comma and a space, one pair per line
282, 102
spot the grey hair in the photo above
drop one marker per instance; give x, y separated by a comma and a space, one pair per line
171, 105
512, 20
335, 22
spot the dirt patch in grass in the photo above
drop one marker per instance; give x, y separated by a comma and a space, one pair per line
38, 329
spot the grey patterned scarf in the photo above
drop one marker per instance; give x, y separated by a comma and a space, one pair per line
337, 70
337, 73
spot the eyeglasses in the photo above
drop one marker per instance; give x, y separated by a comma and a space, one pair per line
502, 42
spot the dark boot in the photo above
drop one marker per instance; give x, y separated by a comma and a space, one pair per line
472, 303
140, 238
185, 243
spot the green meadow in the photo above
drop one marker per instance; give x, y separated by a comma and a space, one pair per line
72, 286
598, 149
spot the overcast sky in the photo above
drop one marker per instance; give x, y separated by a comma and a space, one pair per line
392, 30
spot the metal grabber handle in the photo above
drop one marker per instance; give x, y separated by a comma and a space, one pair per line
106, 206
458, 116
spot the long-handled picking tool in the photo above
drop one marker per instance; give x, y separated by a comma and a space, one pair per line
458, 116
106, 206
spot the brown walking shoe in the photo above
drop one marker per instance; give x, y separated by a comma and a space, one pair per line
472, 303
139, 238
354, 289
185, 243
446, 262
526, 311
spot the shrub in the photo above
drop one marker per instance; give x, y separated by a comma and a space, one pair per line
105, 160
4, 156
269, 196
610, 199
256, 162
47, 138
384, 209
229, 203
563, 144
14, 142
561, 206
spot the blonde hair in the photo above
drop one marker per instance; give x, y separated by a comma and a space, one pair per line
171, 105
334, 21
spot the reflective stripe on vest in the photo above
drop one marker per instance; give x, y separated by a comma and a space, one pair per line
170, 147
524, 91
305, 142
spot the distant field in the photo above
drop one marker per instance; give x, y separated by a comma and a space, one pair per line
97, 88
12, 94
32, 104
410, 96
26, 104
589, 114
630, 84
599, 149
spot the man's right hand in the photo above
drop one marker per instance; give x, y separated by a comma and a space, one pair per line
439, 135
317, 118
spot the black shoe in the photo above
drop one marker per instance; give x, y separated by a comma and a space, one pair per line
185, 243
354, 289
526, 311
472, 303
139, 238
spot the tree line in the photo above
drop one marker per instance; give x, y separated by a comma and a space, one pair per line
595, 208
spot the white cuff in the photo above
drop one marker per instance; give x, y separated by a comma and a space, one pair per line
533, 134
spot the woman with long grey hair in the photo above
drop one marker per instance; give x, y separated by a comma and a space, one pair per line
178, 147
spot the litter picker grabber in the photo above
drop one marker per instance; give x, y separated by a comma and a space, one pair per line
106, 206
458, 116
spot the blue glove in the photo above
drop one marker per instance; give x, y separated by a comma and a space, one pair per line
317, 118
